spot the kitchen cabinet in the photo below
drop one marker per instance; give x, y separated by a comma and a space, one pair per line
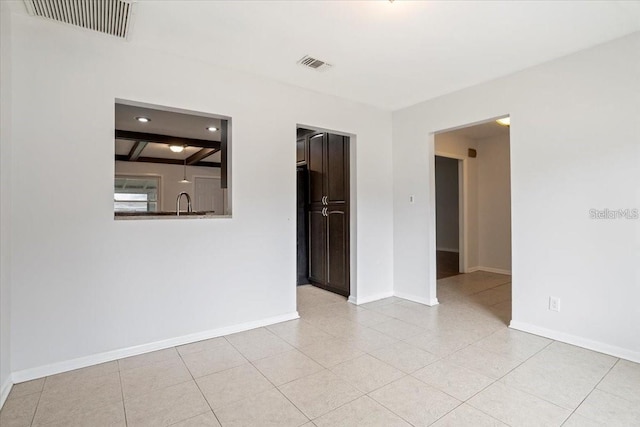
328, 211
301, 151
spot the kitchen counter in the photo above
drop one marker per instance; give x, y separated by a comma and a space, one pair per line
166, 215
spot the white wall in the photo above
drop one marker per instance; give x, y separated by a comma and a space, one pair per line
494, 204
170, 177
574, 146
447, 209
457, 146
85, 284
5, 200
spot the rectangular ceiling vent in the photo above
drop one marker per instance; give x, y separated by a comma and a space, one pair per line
314, 64
112, 17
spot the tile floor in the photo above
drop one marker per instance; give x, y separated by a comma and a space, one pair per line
387, 363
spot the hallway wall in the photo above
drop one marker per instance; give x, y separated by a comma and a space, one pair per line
494, 204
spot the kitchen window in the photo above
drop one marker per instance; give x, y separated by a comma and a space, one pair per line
136, 194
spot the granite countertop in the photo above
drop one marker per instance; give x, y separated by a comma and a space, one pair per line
166, 215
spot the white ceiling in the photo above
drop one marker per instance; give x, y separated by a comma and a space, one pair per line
385, 54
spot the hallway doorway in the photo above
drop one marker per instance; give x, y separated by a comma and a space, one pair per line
448, 210
472, 176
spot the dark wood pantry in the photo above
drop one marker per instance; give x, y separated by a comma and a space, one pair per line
323, 210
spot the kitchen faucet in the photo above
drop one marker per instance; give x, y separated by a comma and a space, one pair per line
178, 202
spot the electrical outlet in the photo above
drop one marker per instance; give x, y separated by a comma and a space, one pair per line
554, 303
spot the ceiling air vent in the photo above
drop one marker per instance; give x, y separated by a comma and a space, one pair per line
112, 17
314, 64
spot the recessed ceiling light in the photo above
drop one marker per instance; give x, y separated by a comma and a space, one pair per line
506, 121
176, 148
212, 128
143, 119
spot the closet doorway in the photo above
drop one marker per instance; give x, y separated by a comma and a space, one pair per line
323, 210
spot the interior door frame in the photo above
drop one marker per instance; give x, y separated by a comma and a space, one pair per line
462, 207
432, 281
224, 193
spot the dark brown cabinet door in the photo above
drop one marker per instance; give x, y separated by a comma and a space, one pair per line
328, 164
338, 251
317, 246
316, 166
336, 177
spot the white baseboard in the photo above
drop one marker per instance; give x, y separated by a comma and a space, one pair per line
430, 302
488, 269
370, 298
4, 391
82, 362
600, 347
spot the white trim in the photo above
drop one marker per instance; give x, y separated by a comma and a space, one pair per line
370, 298
455, 250
450, 155
430, 302
601, 347
5, 390
82, 362
489, 270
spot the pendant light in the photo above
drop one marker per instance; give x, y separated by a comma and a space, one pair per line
184, 176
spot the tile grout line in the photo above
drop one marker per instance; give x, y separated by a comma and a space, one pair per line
592, 390
520, 390
198, 386
276, 387
440, 358
494, 381
328, 369
385, 406
33, 418
271, 382
124, 406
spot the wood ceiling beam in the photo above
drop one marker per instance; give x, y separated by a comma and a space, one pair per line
165, 139
125, 158
224, 168
202, 154
136, 150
